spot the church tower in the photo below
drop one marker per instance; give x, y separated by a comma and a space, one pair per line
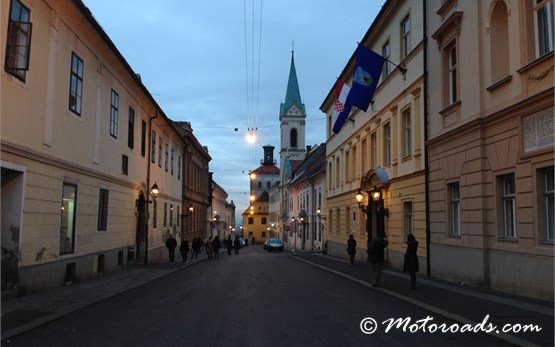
292, 122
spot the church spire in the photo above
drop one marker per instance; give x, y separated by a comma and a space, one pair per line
293, 94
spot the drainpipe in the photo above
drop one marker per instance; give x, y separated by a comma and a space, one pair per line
148, 197
426, 166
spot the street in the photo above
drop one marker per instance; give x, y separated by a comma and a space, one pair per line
253, 298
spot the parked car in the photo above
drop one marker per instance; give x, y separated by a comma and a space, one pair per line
273, 245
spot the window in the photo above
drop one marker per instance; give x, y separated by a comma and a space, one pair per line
251, 220
348, 221
143, 138
166, 157
165, 214
268, 184
178, 216
347, 166
337, 221
153, 146
68, 215
260, 184
546, 202
407, 138
363, 152
160, 152
354, 163
18, 45
408, 217
263, 220
171, 215
293, 138
171, 162
103, 210
405, 37
263, 234
452, 52
337, 172
544, 26
373, 151
114, 102
124, 164
454, 209
76, 84
131, 129
508, 204
179, 167
385, 53
330, 170
330, 214
387, 144
154, 214
499, 42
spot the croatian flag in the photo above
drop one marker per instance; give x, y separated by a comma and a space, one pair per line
367, 73
341, 106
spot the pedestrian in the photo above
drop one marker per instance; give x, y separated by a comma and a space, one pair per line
184, 249
208, 247
171, 243
216, 247
376, 257
229, 245
411, 260
193, 247
237, 245
246, 242
252, 241
351, 248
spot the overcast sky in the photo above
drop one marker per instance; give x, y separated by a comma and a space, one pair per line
191, 56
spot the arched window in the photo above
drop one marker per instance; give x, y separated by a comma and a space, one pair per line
268, 184
293, 138
499, 42
260, 184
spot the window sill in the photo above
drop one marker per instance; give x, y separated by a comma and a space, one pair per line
538, 61
454, 236
547, 242
499, 83
451, 108
406, 158
507, 239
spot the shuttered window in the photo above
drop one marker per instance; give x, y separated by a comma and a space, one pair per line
103, 210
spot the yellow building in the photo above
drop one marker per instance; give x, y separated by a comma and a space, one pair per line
255, 219
382, 148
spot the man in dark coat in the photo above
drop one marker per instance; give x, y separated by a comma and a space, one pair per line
184, 249
411, 264
229, 244
351, 248
171, 243
216, 247
237, 245
376, 257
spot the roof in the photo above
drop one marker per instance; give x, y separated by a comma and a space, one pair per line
313, 165
293, 94
217, 186
185, 130
267, 170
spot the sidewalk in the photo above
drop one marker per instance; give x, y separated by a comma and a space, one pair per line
21, 314
445, 299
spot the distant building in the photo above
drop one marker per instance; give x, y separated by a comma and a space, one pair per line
255, 219
217, 213
266, 175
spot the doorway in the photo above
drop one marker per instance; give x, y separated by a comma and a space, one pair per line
12, 204
141, 227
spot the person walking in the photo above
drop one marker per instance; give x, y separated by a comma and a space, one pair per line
194, 248
216, 247
237, 245
171, 243
208, 247
253, 241
376, 257
229, 245
411, 264
184, 249
351, 248
246, 242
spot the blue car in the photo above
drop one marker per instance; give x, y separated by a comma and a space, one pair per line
273, 245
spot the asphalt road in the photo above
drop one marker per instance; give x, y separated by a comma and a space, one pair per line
251, 299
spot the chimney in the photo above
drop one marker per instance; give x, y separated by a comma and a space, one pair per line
268, 155
308, 148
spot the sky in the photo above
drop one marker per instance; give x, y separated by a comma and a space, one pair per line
191, 57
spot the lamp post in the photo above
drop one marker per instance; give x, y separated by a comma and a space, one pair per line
319, 216
154, 191
294, 221
375, 202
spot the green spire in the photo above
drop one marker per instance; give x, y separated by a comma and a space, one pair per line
293, 94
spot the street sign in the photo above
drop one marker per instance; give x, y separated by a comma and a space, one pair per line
287, 228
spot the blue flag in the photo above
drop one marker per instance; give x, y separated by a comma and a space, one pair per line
367, 73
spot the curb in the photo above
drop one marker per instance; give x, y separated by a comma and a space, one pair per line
453, 316
73, 308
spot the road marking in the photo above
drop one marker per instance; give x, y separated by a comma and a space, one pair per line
437, 310
505, 301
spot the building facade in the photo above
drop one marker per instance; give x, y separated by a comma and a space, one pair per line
491, 144
217, 212
382, 148
255, 220
83, 144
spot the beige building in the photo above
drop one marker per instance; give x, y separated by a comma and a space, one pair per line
382, 148
491, 143
82, 143
217, 212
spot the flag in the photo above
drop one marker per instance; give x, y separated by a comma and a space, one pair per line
367, 73
341, 107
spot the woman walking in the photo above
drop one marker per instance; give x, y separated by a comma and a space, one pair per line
216, 247
229, 244
411, 260
351, 248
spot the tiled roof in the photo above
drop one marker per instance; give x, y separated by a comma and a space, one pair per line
267, 170
313, 165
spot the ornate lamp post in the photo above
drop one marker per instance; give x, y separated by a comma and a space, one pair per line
154, 191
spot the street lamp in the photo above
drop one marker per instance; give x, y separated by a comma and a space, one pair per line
359, 197
154, 191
